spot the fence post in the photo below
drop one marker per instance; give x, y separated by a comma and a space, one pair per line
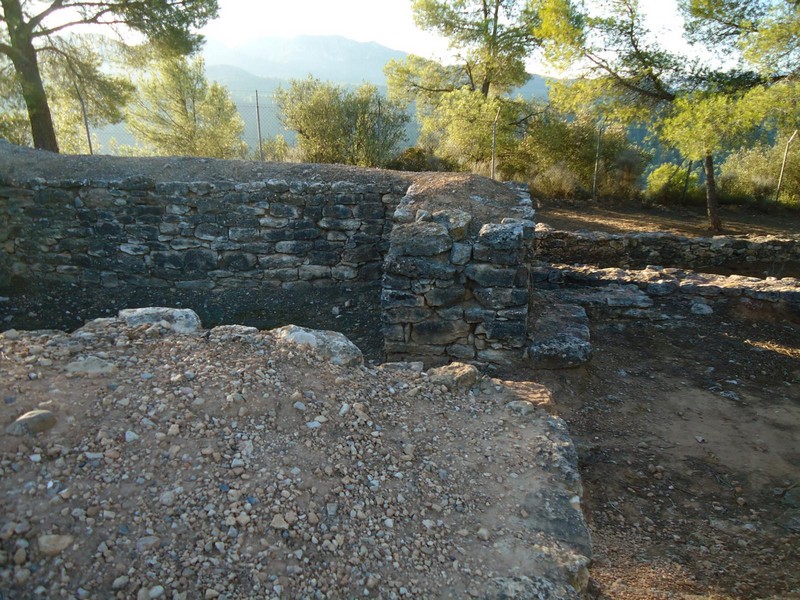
258, 121
85, 118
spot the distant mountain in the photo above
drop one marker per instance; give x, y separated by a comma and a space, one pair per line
267, 63
330, 58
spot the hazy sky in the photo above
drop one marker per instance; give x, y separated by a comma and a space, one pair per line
388, 22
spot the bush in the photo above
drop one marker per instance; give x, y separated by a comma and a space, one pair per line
558, 181
666, 183
752, 175
418, 159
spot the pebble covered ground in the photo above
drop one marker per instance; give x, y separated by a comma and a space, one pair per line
232, 463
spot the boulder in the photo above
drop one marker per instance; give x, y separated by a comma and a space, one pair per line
331, 345
35, 421
182, 320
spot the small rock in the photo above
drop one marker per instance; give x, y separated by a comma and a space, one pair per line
35, 421
51, 545
156, 591
120, 582
130, 436
483, 534
279, 522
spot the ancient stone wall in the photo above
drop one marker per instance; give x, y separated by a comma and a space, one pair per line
638, 250
196, 235
456, 287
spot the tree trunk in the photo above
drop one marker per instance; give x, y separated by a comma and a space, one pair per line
23, 57
711, 194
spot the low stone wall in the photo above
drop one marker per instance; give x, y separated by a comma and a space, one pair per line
196, 235
638, 250
456, 287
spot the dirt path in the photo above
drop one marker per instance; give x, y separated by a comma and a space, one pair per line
691, 221
688, 437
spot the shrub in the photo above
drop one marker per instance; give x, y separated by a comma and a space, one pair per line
665, 185
752, 175
418, 159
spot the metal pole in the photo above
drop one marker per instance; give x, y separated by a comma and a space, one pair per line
494, 139
597, 161
783, 165
258, 120
85, 118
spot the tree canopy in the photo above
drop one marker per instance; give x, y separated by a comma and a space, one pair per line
179, 113
699, 104
338, 125
30, 29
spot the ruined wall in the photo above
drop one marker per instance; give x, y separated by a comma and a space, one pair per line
438, 262
456, 287
196, 235
638, 250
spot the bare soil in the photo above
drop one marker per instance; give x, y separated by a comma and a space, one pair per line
623, 217
688, 432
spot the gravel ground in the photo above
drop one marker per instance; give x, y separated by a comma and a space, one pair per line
231, 464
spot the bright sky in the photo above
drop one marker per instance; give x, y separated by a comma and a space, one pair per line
387, 22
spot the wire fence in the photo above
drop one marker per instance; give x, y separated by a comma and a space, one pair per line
256, 109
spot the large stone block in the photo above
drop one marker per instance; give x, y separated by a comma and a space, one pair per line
489, 276
501, 297
237, 261
438, 331
446, 296
501, 236
420, 239
419, 267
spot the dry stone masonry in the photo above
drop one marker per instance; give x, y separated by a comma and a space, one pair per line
456, 287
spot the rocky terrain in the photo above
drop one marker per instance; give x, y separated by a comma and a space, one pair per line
166, 461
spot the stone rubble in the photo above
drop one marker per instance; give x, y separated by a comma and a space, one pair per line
189, 472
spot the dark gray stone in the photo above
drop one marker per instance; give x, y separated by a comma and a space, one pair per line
491, 276
507, 236
436, 331
501, 297
420, 239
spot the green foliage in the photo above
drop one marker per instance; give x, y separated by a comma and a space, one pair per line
557, 155
457, 104
752, 174
337, 125
276, 149
419, 159
75, 81
666, 185
492, 37
29, 28
179, 113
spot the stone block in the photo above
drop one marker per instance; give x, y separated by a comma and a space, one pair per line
501, 297
501, 236
487, 254
294, 247
199, 260
237, 261
446, 296
279, 261
337, 211
490, 276
340, 224
343, 273
211, 232
415, 267
455, 221
308, 272
406, 314
420, 239
397, 299
438, 331
461, 253
287, 211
